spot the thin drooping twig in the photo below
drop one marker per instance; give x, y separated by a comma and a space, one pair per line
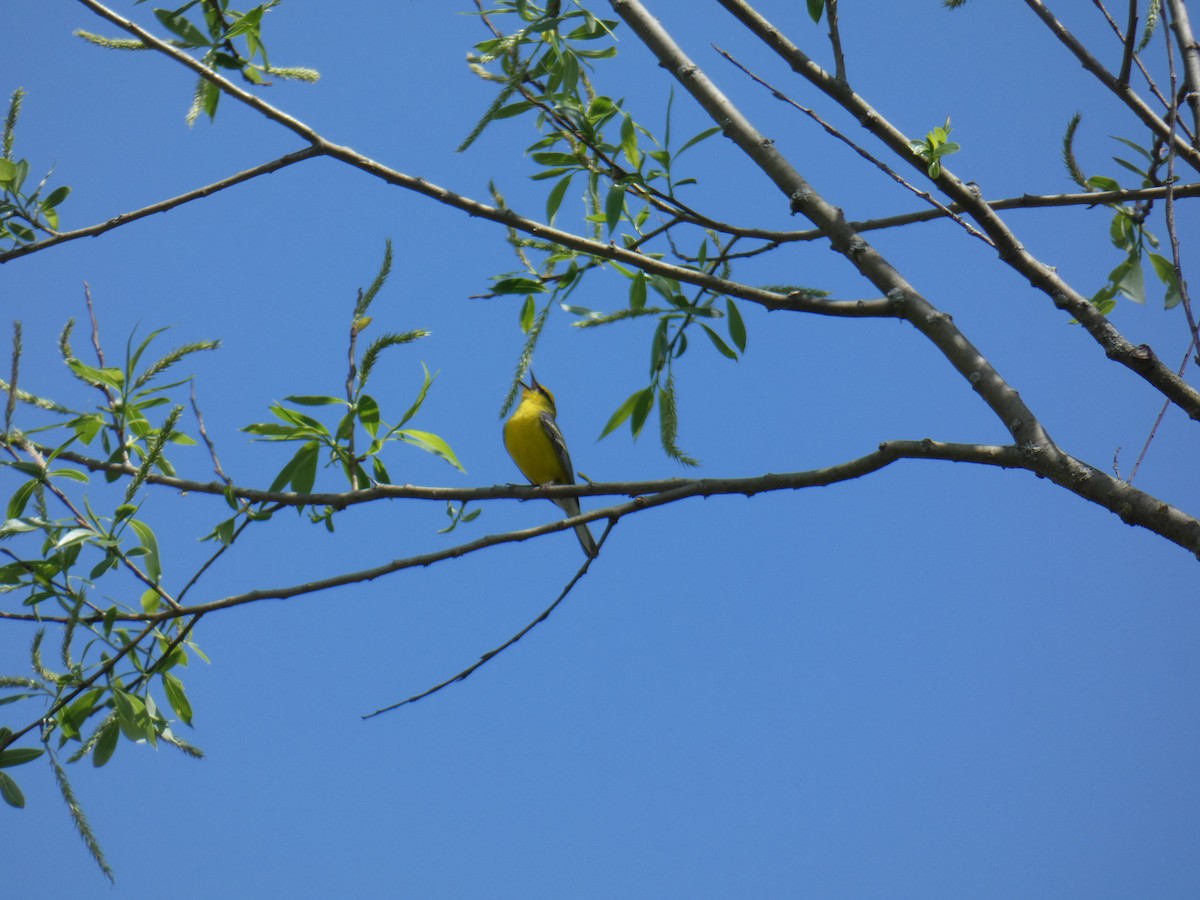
487, 657
1158, 420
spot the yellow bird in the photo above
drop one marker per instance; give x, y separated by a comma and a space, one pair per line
535, 444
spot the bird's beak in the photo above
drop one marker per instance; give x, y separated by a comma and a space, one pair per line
533, 382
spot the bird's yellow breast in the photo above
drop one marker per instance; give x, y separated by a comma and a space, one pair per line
530, 446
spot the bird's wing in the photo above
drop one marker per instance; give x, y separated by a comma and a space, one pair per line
550, 427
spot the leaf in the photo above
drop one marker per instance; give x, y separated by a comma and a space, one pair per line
433, 444
10, 792
641, 410
555, 198
614, 203
629, 141
150, 543
181, 28
518, 286
57, 196
106, 742
80, 708
133, 716
368, 413
72, 537
151, 602
1103, 183
1131, 282
1165, 270
637, 291
528, 312
310, 400
19, 756
177, 698
737, 328
815, 8
721, 346
20, 498
622, 413
695, 139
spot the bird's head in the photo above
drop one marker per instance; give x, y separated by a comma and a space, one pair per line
539, 390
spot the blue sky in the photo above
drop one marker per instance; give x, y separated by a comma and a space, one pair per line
937, 681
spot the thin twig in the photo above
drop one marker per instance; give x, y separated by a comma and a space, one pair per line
162, 206
1158, 419
835, 41
878, 163
496, 651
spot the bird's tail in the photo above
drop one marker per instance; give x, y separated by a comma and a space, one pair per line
570, 506
586, 541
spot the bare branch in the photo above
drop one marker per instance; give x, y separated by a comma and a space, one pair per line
162, 206
1122, 91
1181, 24
1139, 359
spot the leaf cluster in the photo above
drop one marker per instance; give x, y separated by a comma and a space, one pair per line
229, 40
1127, 229
628, 182
23, 215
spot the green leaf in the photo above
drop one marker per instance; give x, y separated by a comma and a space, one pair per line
132, 716
177, 698
737, 328
614, 203
20, 499
641, 410
555, 198
637, 291
518, 286
623, 412
10, 792
528, 314
368, 414
19, 756
721, 346
150, 544
106, 742
658, 347
57, 196
74, 536
1165, 270
309, 400
249, 22
431, 443
629, 142
80, 708
1131, 281
181, 28
815, 8
151, 602
1103, 183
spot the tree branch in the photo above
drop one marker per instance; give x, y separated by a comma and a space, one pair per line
162, 206
1122, 91
916, 309
1181, 24
1140, 359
